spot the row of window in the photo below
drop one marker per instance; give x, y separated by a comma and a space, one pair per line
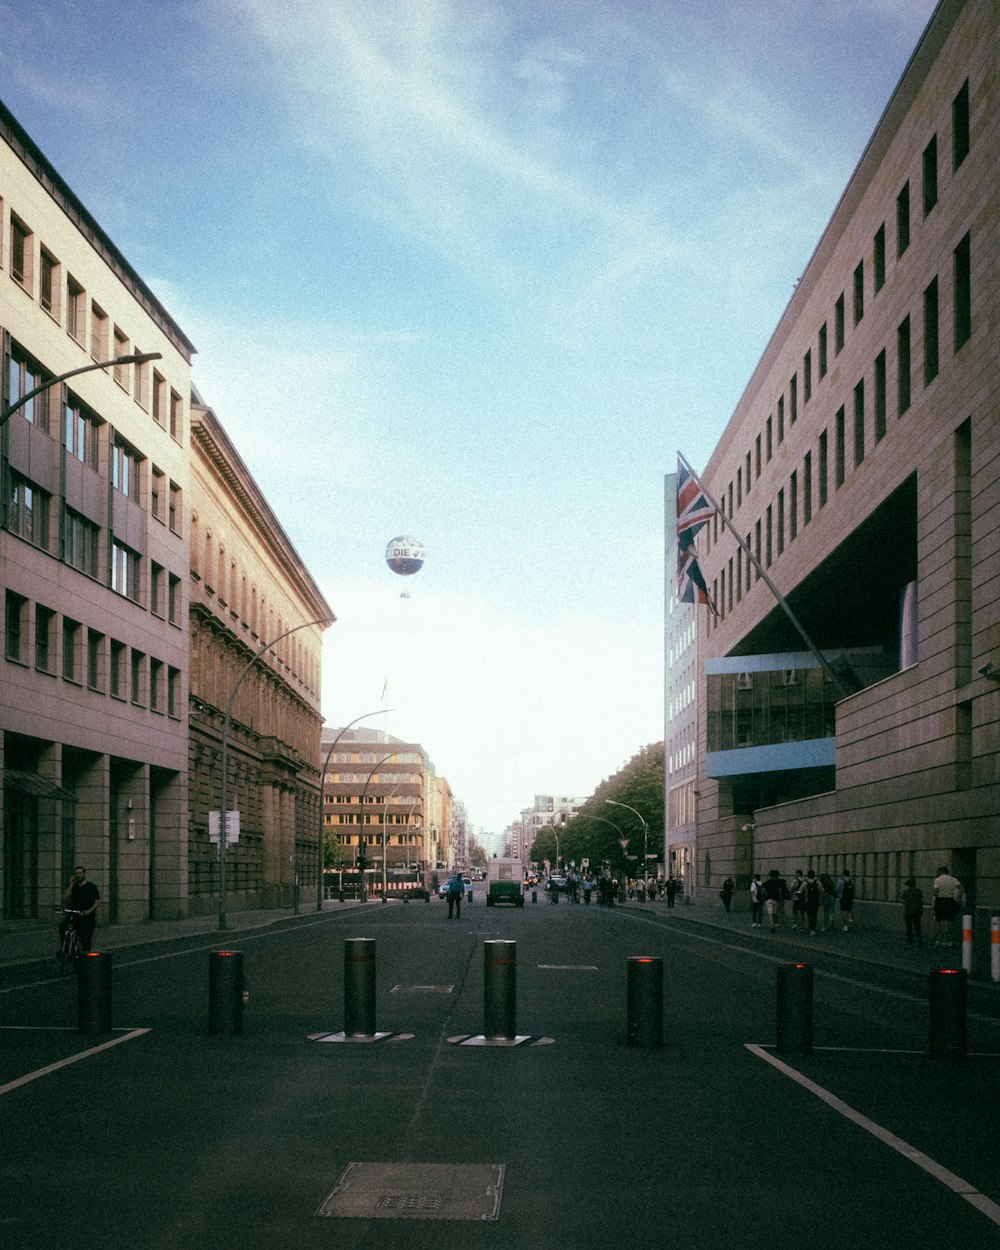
794, 503
786, 413
35, 635
80, 429
39, 273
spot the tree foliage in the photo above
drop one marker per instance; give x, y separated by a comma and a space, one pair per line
595, 832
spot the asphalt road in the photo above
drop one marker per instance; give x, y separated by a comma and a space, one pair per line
174, 1138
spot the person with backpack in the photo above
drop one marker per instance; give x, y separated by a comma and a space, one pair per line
912, 899
756, 902
727, 892
798, 901
829, 900
845, 893
811, 894
775, 893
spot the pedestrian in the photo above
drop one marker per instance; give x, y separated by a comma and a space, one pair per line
829, 900
83, 896
775, 893
727, 892
671, 890
798, 900
811, 893
756, 902
456, 888
948, 895
588, 886
845, 894
912, 899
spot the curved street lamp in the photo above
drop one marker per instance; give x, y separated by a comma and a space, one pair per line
136, 358
322, 791
361, 850
645, 831
223, 814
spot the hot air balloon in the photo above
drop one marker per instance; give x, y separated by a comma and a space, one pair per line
405, 555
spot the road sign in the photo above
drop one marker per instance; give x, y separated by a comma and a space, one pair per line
232, 828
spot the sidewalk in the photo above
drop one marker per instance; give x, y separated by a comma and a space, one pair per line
860, 943
39, 943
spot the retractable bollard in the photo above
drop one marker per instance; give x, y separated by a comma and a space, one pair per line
645, 1001
93, 992
947, 998
359, 987
500, 989
225, 991
795, 1009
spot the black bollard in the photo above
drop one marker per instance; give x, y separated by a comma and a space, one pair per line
500, 989
947, 997
359, 987
795, 1009
93, 992
644, 1026
225, 992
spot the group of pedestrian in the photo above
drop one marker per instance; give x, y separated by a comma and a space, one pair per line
811, 895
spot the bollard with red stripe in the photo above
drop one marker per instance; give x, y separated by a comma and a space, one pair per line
93, 992
644, 1001
500, 990
967, 944
947, 999
995, 948
359, 987
225, 991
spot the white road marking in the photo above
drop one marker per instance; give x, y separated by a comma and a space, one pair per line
64, 1063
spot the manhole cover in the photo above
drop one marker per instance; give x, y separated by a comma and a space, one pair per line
416, 1191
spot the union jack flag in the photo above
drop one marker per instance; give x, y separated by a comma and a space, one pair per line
691, 587
693, 509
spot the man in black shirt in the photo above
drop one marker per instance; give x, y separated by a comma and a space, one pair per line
83, 896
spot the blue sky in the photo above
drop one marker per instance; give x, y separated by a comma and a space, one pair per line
474, 272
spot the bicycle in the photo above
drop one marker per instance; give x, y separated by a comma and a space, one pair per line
70, 945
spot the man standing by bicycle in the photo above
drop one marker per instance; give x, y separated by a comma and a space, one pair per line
81, 896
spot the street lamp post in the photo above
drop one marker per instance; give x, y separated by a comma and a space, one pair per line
361, 834
223, 820
136, 358
322, 791
645, 830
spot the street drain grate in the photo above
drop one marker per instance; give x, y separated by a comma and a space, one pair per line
416, 1191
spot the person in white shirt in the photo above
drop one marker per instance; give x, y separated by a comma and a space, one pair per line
948, 894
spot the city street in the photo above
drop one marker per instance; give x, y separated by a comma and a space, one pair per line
159, 1135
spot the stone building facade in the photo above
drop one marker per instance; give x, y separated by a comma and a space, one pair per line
862, 469
249, 588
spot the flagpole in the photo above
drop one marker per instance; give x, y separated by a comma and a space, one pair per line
762, 573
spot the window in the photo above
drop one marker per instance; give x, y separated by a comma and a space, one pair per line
822, 468
80, 432
807, 488
21, 253
23, 376
71, 647
125, 470
904, 365
807, 377
80, 542
839, 448
756, 458
125, 571
838, 325
960, 126
155, 588
156, 493
822, 350
931, 332
44, 638
793, 507
781, 420
176, 416
117, 670
859, 423
140, 382
781, 521
930, 179
173, 692
174, 515
98, 333
880, 402
767, 430
76, 308
15, 623
793, 399
27, 511
859, 291
95, 660
48, 284
120, 349
903, 220
174, 600
880, 258
768, 528
137, 674
156, 685
159, 397
963, 292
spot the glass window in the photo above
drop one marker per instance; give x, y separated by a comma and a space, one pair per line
28, 511
125, 571
960, 126
930, 175
80, 542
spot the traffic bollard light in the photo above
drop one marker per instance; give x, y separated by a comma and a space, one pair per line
795, 1009
225, 992
948, 992
644, 993
500, 989
93, 992
359, 987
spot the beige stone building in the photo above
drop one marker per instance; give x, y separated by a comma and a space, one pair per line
249, 588
93, 561
862, 468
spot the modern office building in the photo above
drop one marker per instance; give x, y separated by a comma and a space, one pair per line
680, 711
93, 560
249, 588
861, 469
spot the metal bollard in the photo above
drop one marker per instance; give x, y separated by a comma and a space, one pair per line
645, 1001
500, 989
947, 999
225, 992
995, 948
795, 1009
359, 987
534, 896
93, 992
967, 944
